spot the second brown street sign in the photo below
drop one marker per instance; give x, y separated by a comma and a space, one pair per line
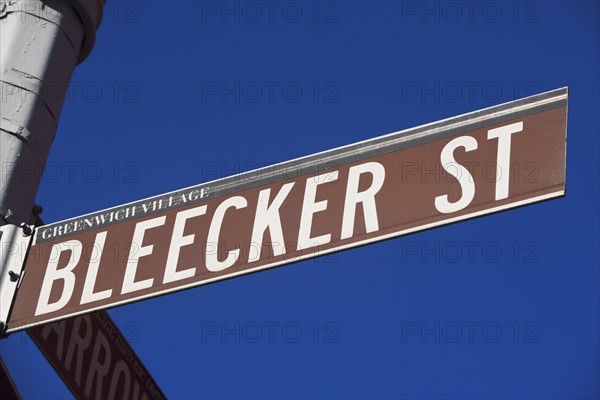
474, 164
94, 359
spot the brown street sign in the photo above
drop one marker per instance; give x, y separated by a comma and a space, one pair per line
94, 359
463, 167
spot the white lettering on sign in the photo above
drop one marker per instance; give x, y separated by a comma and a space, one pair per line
267, 217
365, 181
178, 240
137, 251
464, 177
366, 198
310, 207
88, 294
459, 172
53, 273
124, 213
212, 261
504, 135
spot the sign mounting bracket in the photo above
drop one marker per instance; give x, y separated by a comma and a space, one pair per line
14, 245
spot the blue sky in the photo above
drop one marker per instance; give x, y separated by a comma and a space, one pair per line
182, 92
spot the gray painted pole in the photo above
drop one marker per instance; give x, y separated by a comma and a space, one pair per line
41, 42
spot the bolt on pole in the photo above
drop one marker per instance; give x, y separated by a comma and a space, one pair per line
41, 42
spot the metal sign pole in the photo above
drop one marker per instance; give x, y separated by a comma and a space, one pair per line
41, 42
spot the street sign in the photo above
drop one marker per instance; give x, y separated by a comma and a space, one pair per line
94, 359
463, 167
